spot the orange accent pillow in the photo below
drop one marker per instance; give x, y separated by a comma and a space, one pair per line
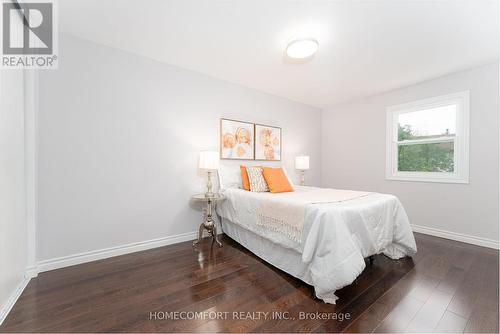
276, 180
244, 178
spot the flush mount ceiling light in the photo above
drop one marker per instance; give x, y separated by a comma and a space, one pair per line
302, 48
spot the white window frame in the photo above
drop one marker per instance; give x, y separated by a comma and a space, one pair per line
461, 139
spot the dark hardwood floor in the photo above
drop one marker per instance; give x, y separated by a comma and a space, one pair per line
447, 287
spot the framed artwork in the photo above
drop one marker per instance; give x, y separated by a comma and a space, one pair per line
237, 140
267, 143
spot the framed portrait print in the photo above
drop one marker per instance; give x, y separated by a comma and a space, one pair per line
267, 143
237, 140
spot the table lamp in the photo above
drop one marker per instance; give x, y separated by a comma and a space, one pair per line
209, 161
302, 164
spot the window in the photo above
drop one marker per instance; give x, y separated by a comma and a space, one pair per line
428, 140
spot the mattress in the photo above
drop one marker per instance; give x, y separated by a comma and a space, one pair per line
335, 240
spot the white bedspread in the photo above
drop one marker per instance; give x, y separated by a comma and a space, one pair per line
336, 236
285, 212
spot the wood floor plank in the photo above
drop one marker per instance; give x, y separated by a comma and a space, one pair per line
482, 321
429, 315
366, 323
451, 323
399, 318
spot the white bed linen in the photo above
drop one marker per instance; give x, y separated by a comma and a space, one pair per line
335, 240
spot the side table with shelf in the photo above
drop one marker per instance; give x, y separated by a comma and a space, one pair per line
209, 223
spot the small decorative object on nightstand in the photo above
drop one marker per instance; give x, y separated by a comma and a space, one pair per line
209, 223
302, 164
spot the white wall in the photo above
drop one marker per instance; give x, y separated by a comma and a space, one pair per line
13, 244
353, 153
119, 137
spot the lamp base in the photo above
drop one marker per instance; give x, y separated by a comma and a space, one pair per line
209, 192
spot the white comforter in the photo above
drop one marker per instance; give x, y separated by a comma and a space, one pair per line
336, 236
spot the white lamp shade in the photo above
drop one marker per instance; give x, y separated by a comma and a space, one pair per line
302, 162
209, 160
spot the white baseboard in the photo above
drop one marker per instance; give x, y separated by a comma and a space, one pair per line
469, 239
4, 311
31, 272
100, 254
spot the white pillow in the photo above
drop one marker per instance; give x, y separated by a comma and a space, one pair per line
257, 181
229, 177
287, 176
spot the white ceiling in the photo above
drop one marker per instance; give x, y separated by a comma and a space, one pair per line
366, 47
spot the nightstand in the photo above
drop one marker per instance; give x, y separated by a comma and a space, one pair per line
209, 223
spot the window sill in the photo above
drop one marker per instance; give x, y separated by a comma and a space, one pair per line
428, 178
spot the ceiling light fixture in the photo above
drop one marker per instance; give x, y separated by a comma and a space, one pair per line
302, 48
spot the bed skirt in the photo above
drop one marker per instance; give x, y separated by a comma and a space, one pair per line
286, 259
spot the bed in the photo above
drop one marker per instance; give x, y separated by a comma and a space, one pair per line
335, 235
